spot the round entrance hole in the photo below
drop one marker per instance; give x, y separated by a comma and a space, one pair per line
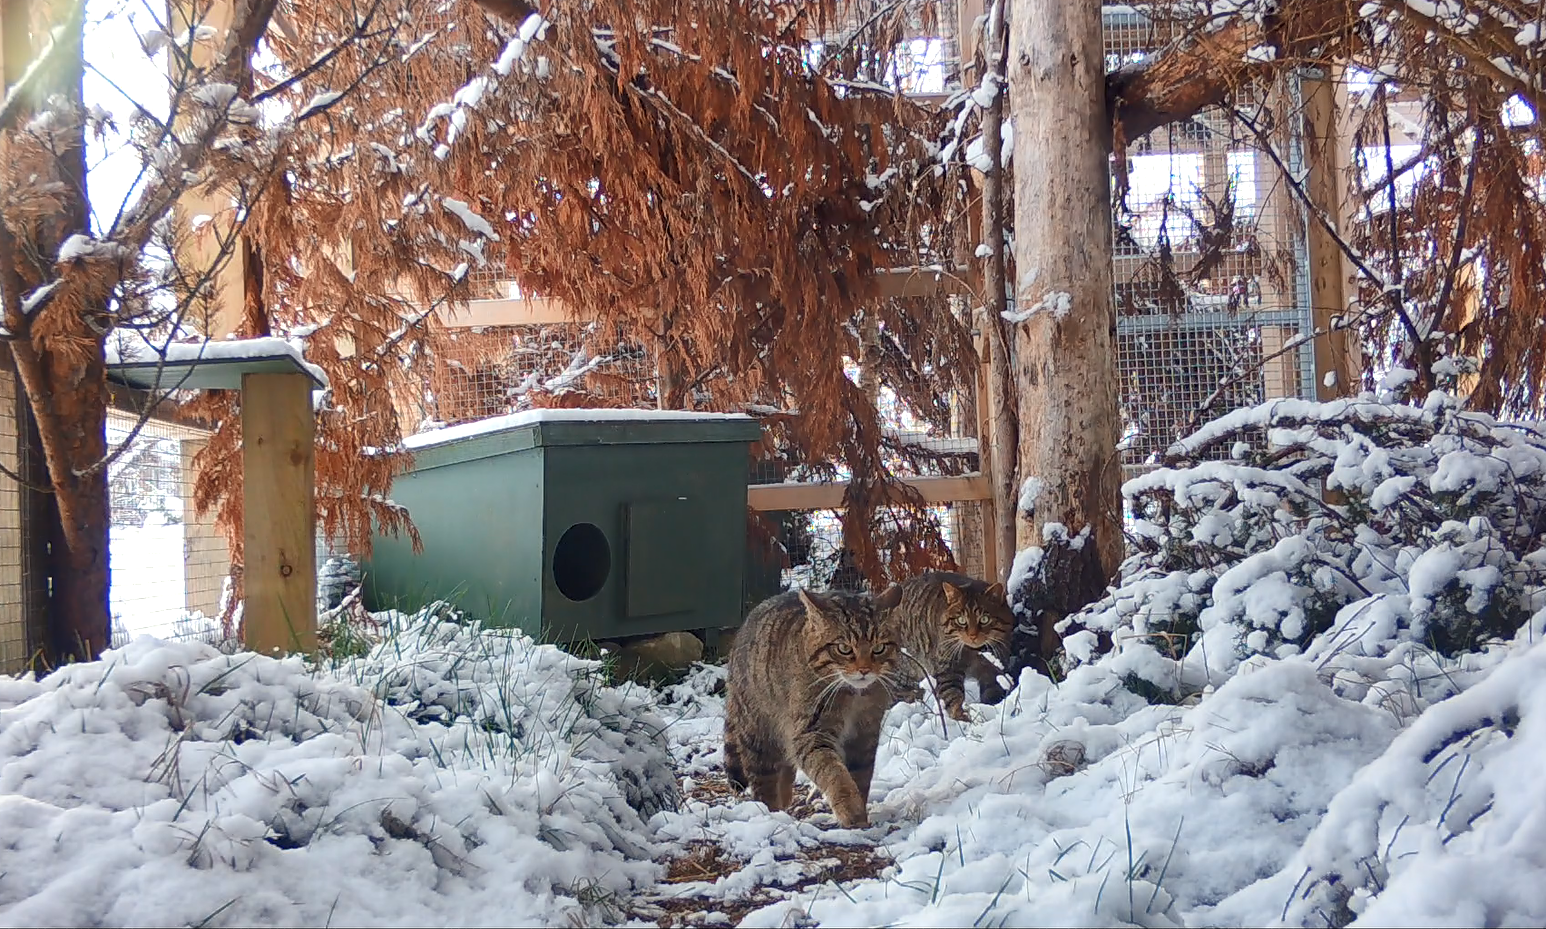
581, 562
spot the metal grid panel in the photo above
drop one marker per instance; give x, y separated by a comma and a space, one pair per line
14, 645
488, 371
1210, 279
169, 565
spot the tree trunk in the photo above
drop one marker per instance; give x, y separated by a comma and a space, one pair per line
81, 620
1002, 431
66, 392
1064, 338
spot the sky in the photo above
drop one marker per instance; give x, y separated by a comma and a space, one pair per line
120, 77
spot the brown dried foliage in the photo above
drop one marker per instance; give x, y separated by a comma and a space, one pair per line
683, 172
696, 183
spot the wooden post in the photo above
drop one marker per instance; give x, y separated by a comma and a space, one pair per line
279, 516
1337, 352
221, 315
993, 566
997, 442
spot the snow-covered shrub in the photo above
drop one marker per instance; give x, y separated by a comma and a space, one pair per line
1445, 827
525, 699
451, 775
1348, 526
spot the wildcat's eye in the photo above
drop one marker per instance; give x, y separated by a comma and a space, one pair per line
984, 620
880, 648
961, 621
844, 649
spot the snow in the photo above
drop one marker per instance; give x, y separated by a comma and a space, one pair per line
1290, 728
1079, 804
81, 247
527, 417
1057, 303
318, 102
1030, 492
37, 297
450, 776
422, 782
124, 351
474, 223
215, 94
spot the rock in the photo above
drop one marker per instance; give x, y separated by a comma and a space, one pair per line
660, 657
336, 578
1062, 758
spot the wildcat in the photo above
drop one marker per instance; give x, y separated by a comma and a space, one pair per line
944, 621
810, 679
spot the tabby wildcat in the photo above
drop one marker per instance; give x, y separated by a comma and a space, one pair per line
944, 621
810, 679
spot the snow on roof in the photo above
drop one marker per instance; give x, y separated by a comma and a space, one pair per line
527, 417
126, 352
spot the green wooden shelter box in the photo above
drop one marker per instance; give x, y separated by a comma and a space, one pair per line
575, 524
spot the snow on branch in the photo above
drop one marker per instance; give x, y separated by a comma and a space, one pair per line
457, 110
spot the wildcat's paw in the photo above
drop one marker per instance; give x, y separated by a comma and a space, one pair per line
849, 808
856, 817
958, 713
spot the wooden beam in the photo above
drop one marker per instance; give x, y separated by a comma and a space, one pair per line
279, 514
923, 282
547, 311
829, 496
522, 311
199, 249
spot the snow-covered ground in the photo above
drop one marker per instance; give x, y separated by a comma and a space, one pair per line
449, 778
474, 778
1079, 804
1310, 718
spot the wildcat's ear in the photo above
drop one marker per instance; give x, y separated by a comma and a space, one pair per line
816, 605
995, 592
890, 598
952, 593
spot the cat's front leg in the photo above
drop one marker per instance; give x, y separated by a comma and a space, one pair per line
859, 748
950, 687
824, 765
986, 674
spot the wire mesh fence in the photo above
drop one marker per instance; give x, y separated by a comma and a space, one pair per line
1210, 271
477, 372
169, 564
15, 646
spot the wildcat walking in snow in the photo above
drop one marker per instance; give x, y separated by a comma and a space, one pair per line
944, 621
811, 676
